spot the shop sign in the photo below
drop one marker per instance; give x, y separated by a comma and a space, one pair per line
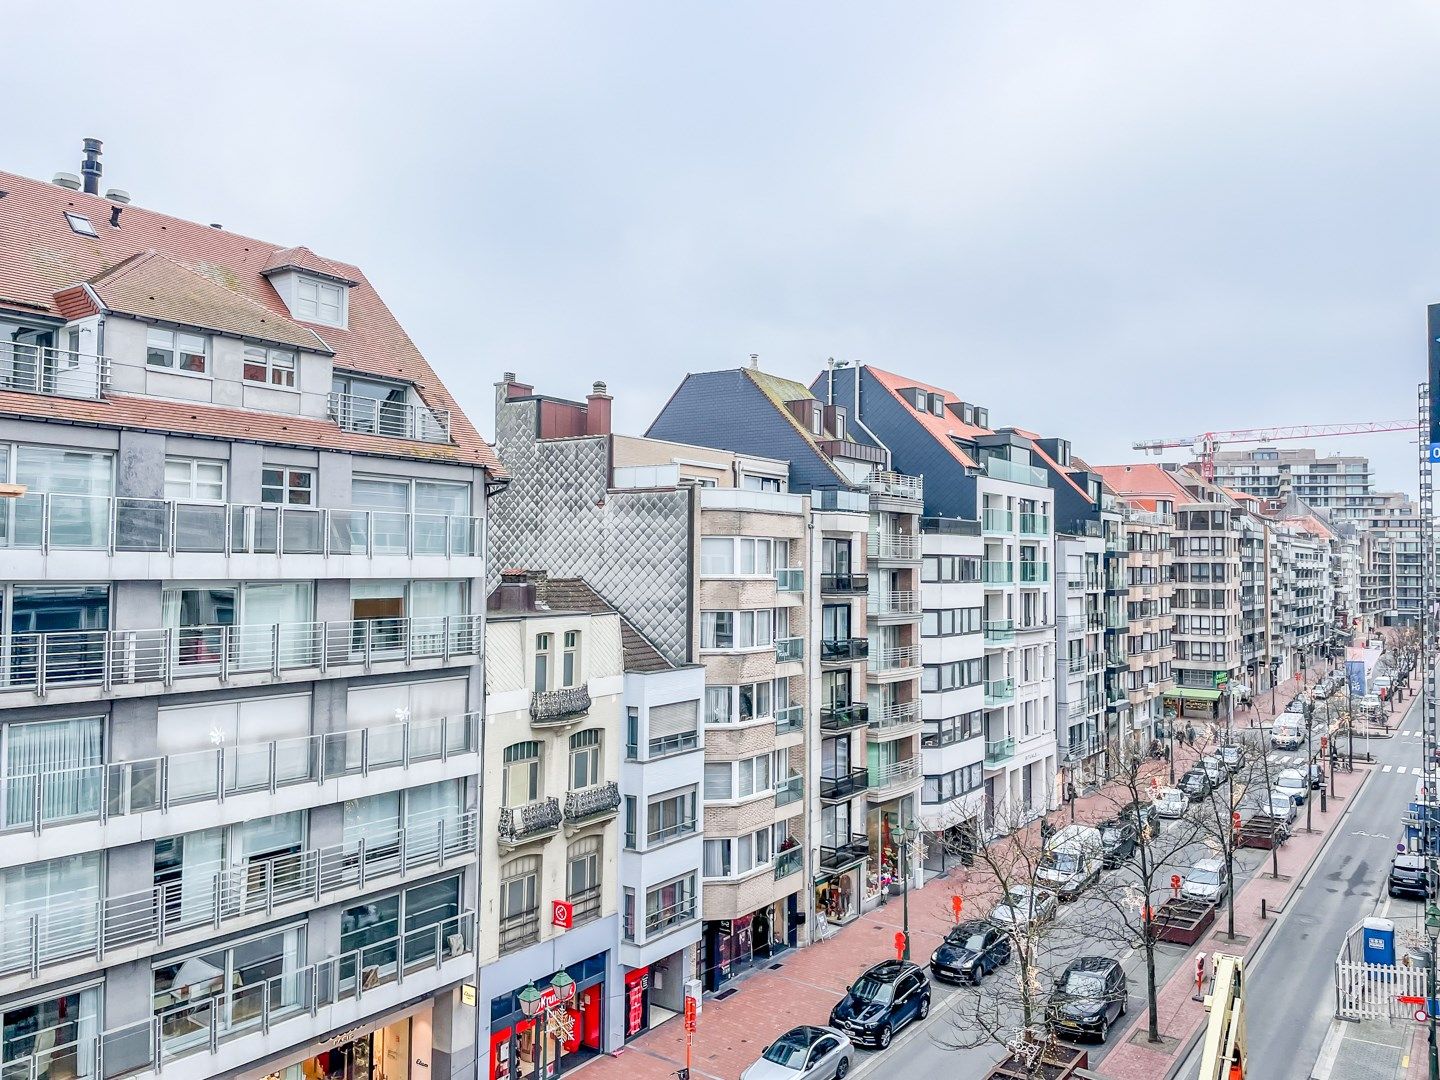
467, 994
562, 914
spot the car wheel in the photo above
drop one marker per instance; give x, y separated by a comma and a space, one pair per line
1005, 959
924, 1007
1124, 1006
979, 974
842, 1069
1104, 1028
882, 1040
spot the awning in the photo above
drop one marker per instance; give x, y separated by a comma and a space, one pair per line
1190, 693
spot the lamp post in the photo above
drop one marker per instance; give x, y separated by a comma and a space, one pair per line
908, 833
541, 1006
1432, 931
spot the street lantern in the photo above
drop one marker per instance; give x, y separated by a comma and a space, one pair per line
531, 1002
564, 987
909, 832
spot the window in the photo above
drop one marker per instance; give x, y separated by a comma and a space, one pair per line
742, 855
835, 556
521, 773
543, 643
519, 902
670, 815
729, 780
570, 660
946, 622
950, 568
222, 985
730, 556
953, 729
951, 676
58, 1029
949, 785
670, 904
288, 487
585, 758
582, 878
68, 753
176, 350
79, 224
320, 302
760, 483
746, 702
737, 629
193, 480
274, 367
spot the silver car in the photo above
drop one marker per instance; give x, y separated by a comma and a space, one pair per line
1205, 881
805, 1053
1022, 905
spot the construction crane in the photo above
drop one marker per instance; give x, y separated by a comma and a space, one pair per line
1224, 1056
1206, 445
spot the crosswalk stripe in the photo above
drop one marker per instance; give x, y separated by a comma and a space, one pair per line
1385, 768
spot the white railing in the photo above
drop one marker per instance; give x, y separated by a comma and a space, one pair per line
53, 521
204, 1023
779, 502
896, 485
905, 656
41, 933
894, 774
892, 546
31, 369
41, 800
900, 714
392, 419
108, 658
900, 602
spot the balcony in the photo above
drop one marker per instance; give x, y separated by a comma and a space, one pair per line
1034, 525
538, 820
896, 719
898, 602
999, 751
1116, 620
996, 522
893, 546
46, 932
121, 525
844, 584
790, 580
997, 573
389, 419
59, 796
843, 650
846, 786
789, 650
1075, 665
557, 708
841, 500
1033, 573
999, 631
895, 485
844, 856
789, 790
998, 468
999, 691
789, 719
33, 369
662, 920
587, 805
68, 664
899, 658
886, 779
837, 717
1094, 620
790, 861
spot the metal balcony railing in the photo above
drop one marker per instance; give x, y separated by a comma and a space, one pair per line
790, 861
843, 584
663, 919
518, 929
893, 775
221, 1014
843, 650
996, 522
789, 650
896, 602
999, 750
35, 369
1034, 524
896, 716
895, 659
592, 803
585, 904
789, 719
1034, 572
846, 786
58, 796
670, 832
111, 658
904, 546
40, 933
532, 821
842, 716
999, 691
790, 790
1075, 665
999, 631
391, 419
567, 705
896, 485
841, 856
790, 580
994, 572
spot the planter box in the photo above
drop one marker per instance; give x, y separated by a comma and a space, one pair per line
1183, 922
1059, 1063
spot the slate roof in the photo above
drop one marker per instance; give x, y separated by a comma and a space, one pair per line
219, 275
575, 594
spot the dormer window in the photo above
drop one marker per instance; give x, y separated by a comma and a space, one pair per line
321, 302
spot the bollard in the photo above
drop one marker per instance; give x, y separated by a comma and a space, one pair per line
1262, 909
1322, 800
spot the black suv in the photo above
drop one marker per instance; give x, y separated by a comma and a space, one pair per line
1088, 998
882, 1001
1408, 877
1117, 841
969, 952
1196, 784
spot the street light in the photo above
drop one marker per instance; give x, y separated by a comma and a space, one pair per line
907, 834
536, 1006
1432, 931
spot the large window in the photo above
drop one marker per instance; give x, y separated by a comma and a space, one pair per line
176, 350
953, 729
519, 902
669, 905
950, 568
79, 484
585, 758
521, 773
947, 786
742, 556
58, 1031
728, 780
274, 367
582, 877
946, 622
746, 702
743, 854
670, 815
68, 754
737, 629
63, 892
952, 676
194, 480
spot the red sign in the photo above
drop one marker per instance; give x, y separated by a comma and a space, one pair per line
957, 905
1324, 741
899, 944
562, 914
689, 1015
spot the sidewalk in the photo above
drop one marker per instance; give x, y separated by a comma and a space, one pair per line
802, 986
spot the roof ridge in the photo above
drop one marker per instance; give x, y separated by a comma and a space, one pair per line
804, 431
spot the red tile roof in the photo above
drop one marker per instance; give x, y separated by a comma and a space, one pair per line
1148, 480
302, 258
43, 262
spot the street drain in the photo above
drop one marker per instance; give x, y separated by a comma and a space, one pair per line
723, 994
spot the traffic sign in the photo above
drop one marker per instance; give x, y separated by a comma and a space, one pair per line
1420, 1016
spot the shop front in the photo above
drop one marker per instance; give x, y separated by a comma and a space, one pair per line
951, 848
552, 1029
734, 946
837, 894
1192, 703
884, 828
385, 1049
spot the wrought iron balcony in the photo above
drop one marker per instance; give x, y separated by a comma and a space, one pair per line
532, 821
592, 803
564, 706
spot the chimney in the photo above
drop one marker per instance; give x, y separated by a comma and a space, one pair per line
91, 168
513, 389
516, 592
597, 410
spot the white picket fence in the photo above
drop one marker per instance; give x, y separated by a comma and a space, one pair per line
1373, 991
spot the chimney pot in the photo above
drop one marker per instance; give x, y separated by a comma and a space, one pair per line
90, 167
597, 411
598, 388
509, 376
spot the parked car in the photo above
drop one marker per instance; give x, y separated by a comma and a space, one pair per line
1204, 881
1072, 861
969, 952
1230, 757
1171, 802
805, 1053
1118, 838
1287, 734
882, 1001
1196, 784
1088, 997
1143, 814
1022, 905
1293, 783
1297, 705
1408, 877
1213, 767
1279, 805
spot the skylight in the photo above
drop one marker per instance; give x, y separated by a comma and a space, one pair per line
81, 224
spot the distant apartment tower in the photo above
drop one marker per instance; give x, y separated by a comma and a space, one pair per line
1341, 485
1392, 562
243, 637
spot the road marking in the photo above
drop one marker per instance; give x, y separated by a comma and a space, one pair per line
1329, 1051
1385, 768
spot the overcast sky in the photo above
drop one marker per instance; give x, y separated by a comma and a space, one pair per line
1105, 221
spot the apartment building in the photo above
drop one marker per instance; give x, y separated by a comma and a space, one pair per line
244, 630
1080, 652
708, 555
1149, 645
1392, 562
868, 807
1339, 485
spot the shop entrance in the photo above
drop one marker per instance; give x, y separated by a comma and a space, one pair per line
383, 1054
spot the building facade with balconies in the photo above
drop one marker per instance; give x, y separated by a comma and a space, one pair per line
1080, 658
243, 634
1149, 644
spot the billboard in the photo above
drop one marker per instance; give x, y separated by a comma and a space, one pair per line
1355, 676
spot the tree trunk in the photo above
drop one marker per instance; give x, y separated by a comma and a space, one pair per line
1150, 992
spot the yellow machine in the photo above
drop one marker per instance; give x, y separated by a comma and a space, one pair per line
1224, 1056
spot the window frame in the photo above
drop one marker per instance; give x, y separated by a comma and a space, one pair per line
310, 308
175, 350
286, 487
193, 465
270, 361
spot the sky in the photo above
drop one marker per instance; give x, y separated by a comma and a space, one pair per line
1103, 221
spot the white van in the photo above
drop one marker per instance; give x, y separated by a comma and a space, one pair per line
1072, 860
1287, 734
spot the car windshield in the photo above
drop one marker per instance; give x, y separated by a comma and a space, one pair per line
1083, 984
1064, 861
1110, 834
1288, 780
974, 942
870, 989
789, 1050
1205, 877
